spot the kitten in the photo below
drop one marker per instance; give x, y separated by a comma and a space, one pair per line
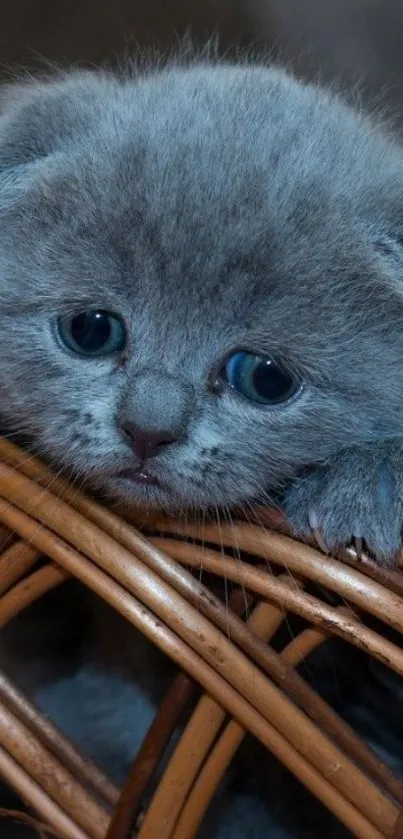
200, 306
201, 292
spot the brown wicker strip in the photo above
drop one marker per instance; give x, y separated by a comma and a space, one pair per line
60, 785
141, 578
398, 832
354, 586
32, 793
305, 605
194, 629
187, 761
28, 590
15, 562
380, 807
365, 593
276, 548
82, 769
184, 763
146, 762
336, 728
231, 738
388, 578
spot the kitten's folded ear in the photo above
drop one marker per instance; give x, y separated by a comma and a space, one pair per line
38, 120
39, 117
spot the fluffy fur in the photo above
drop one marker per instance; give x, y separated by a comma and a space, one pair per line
211, 208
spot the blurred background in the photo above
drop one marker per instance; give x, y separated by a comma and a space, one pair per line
355, 41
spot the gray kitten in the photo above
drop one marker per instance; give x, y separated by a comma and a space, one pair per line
201, 292
200, 307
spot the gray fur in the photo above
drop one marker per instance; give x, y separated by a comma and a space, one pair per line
211, 207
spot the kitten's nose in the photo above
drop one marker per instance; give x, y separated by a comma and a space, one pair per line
147, 442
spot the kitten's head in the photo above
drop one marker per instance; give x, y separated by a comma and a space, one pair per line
201, 275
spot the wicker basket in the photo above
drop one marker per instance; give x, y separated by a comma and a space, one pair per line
248, 686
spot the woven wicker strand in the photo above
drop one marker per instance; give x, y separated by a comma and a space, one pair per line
290, 757
115, 528
156, 740
332, 574
82, 769
57, 782
348, 583
15, 562
28, 590
42, 493
202, 730
153, 747
143, 580
192, 627
398, 832
305, 605
317, 750
225, 749
32, 793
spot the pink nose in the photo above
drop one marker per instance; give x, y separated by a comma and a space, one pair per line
147, 442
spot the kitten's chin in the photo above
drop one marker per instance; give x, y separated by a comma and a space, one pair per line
144, 489
150, 495
147, 493
140, 489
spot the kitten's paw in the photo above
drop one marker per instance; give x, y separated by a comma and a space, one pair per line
357, 496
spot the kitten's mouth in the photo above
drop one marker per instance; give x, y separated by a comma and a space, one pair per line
141, 477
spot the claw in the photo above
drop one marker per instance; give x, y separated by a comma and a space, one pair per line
314, 525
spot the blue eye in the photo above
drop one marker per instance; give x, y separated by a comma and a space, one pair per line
93, 333
259, 378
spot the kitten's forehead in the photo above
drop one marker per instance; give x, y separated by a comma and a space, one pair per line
236, 134
213, 200
216, 166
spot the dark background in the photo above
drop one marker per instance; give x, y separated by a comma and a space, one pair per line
357, 41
